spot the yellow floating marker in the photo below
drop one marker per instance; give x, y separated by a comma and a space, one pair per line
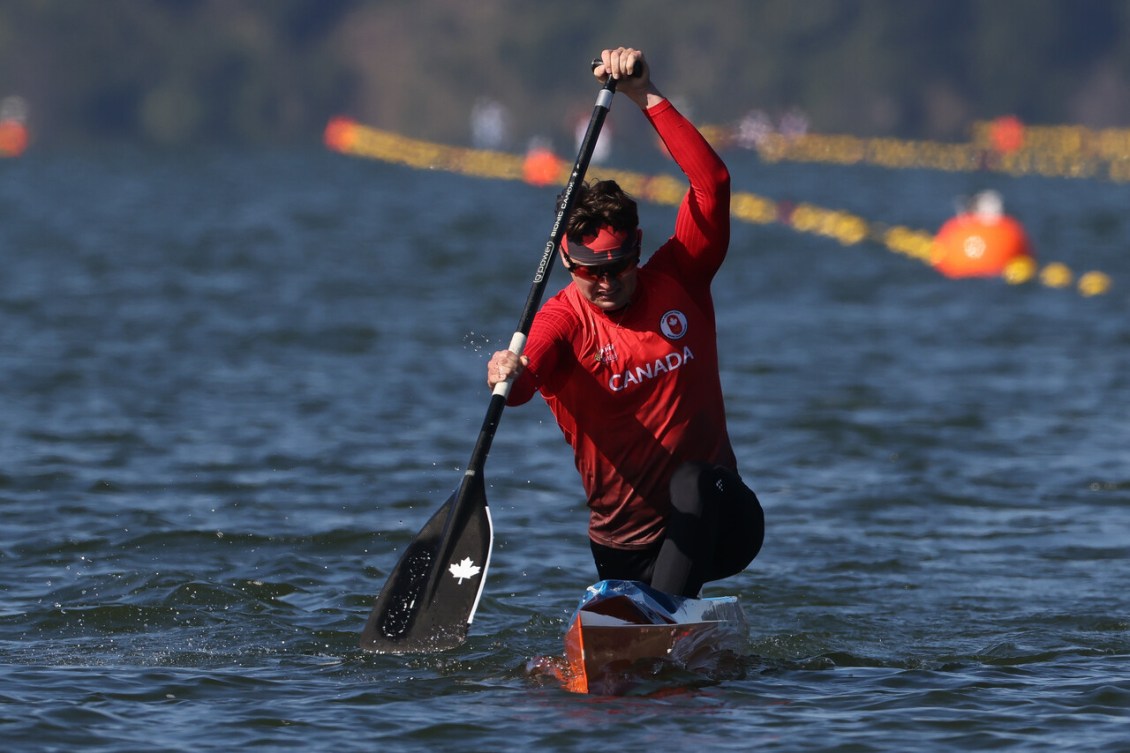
752, 208
1056, 275
913, 243
1094, 283
1019, 271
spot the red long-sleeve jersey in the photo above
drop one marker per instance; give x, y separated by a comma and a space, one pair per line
637, 392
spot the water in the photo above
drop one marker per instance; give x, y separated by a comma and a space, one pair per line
234, 386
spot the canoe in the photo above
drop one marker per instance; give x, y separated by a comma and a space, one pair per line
622, 630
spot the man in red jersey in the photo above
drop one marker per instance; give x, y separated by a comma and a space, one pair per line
627, 359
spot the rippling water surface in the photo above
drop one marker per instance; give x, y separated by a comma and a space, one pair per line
235, 386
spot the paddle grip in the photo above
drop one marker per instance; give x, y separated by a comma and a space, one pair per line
634, 74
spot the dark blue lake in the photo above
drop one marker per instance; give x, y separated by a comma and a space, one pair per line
234, 386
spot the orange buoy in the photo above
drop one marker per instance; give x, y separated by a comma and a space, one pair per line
340, 134
541, 167
14, 135
1007, 134
982, 242
13, 138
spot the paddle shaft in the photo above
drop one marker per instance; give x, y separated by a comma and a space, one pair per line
518, 341
545, 266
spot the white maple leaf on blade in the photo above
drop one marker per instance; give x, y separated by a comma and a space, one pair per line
465, 569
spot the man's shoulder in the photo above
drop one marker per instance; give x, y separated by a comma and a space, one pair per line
559, 312
562, 302
667, 266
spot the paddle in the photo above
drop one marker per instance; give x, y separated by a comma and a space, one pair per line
430, 597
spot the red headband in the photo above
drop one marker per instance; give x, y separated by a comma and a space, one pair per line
607, 245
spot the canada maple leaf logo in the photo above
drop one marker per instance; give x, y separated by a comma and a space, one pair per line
465, 569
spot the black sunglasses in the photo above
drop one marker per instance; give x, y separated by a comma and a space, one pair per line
602, 271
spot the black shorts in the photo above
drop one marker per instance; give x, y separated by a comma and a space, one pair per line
715, 529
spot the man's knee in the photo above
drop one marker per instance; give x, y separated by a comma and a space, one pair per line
686, 487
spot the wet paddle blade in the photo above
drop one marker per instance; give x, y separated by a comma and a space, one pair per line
431, 596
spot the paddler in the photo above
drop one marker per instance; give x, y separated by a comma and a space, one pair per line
626, 357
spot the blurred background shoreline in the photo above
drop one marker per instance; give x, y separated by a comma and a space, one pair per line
498, 73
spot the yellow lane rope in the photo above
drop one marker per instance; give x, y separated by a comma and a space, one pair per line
1048, 151
352, 138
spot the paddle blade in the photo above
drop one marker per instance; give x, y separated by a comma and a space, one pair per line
431, 595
